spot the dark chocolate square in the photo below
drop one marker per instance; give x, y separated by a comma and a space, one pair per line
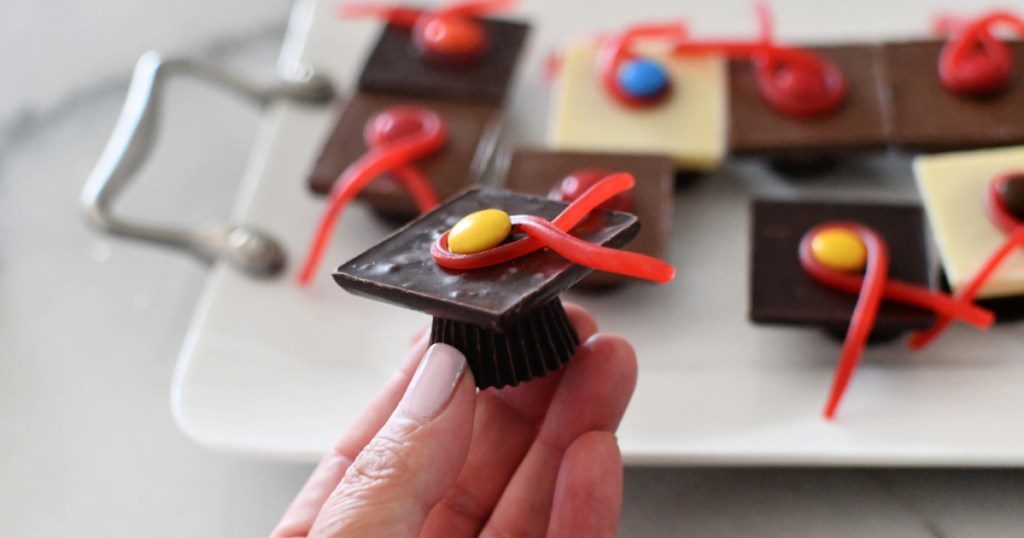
928, 117
781, 292
535, 171
394, 66
472, 137
401, 270
755, 128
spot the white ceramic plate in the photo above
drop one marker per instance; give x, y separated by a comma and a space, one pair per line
273, 370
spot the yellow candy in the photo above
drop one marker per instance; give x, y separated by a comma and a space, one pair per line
839, 249
479, 231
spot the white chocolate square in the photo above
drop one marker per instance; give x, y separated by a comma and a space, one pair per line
690, 125
952, 186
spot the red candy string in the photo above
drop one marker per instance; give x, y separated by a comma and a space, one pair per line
396, 137
1009, 224
875, 282
865, 312
618, 49
552, 234
977, 63
793, 81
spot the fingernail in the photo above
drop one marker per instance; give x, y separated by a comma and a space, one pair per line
435, 379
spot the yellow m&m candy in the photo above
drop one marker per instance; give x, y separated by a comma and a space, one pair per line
479, 231
839, 249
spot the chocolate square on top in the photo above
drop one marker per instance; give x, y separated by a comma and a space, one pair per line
400, 269
755, 128
782, 293
536, 171
473, 130
395, 66
928, 117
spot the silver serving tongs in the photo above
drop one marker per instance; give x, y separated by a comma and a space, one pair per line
244, 247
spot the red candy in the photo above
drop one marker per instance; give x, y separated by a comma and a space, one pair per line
976, 63
449, 37
580, 181
397, 137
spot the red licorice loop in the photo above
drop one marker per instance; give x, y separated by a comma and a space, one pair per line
578, 182
552, 234
618, 49
976, 63
892, 290
450, 36
1010, 225
396, 137
794, 81
868, 301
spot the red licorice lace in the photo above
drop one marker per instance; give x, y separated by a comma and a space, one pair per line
552, 234
1012, 227
975, 62
397, 137
793, 81
408, 16
871, 288
618, 49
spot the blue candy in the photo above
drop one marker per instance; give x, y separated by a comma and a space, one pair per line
642, 78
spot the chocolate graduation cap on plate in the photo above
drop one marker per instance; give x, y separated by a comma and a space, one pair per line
857, 267
497, 302
448, 61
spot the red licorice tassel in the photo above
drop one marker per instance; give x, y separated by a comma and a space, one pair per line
397, 137
542, 233
1009, 224
976, 63
793, 81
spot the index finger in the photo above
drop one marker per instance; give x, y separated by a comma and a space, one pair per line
300, 515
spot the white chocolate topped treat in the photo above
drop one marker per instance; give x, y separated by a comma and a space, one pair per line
953, 186
689, 125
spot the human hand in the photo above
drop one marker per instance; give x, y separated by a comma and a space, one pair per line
433, 457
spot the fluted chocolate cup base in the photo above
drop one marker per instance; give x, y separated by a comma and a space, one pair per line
539, 344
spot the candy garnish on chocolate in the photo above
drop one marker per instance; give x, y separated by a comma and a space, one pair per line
1011, 224
794, 81
976, 63
634, 80
449, 37
479, 231
553, 234
871, 288
397, 137
575, 184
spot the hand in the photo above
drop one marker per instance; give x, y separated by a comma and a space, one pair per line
433, 457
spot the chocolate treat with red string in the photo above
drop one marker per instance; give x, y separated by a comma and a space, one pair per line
489, 265
448, 53
472, 137
962, 92
857, 268
564, 175
788, 103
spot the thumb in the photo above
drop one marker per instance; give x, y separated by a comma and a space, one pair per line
413, 460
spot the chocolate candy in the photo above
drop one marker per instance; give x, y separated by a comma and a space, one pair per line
396, 66
782, 293
537, 171
472, 137
927, 116
505, 318
756, 128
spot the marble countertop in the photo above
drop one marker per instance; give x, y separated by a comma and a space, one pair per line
90, 326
